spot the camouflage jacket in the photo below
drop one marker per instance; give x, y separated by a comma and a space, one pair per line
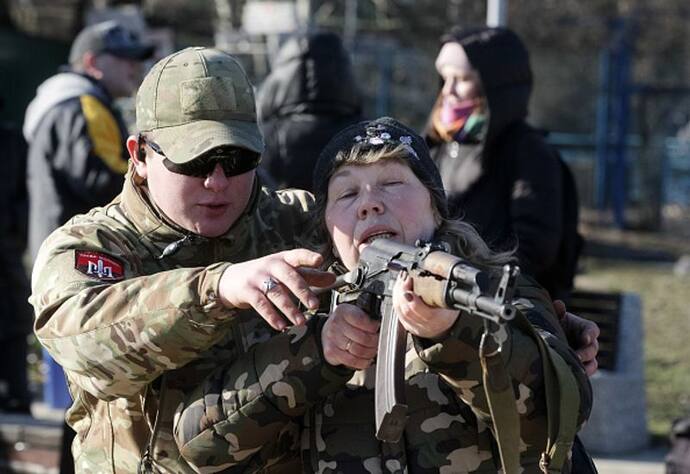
227, 424
134, 330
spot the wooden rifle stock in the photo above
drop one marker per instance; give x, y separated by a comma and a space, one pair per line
441, 280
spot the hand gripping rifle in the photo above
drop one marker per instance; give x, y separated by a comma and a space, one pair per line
441, 280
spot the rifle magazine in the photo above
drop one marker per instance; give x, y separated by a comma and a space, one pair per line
392, 424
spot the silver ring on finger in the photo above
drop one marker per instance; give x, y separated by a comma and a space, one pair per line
268, 285
348, 345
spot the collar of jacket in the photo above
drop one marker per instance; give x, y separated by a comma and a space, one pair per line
97, 87
103, 93
57, 89
159, 230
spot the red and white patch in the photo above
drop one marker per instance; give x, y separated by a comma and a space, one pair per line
99, 265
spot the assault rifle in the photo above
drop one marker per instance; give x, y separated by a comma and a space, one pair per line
441, 280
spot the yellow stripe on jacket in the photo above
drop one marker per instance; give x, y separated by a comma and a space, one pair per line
104, 133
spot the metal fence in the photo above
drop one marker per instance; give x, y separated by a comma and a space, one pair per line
658, 171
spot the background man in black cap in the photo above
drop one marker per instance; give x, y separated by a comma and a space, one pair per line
77, 158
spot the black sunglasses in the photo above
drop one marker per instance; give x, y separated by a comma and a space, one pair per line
232, 159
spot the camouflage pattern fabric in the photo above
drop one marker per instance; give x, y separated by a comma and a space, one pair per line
134, 332
449, 428
254, 405
195, 100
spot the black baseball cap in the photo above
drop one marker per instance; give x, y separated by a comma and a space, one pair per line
110, 37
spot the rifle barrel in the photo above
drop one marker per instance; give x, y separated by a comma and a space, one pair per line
484, 304
470, 275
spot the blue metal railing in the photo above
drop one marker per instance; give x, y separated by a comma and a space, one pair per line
671, 155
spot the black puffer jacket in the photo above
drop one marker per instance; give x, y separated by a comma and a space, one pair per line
15, 313
510, 185
309, 96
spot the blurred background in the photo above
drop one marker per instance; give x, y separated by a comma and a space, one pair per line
612, 77
612, 86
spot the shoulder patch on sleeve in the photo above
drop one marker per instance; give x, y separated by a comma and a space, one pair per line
98, 265
104, 133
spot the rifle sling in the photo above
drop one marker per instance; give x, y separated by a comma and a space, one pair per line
562, 402
501, 401
562, 395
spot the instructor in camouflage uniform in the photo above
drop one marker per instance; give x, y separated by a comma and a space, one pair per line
139, 299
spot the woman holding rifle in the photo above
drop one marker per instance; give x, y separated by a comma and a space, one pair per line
375, 180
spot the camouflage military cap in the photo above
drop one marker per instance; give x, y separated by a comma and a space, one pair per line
195, 100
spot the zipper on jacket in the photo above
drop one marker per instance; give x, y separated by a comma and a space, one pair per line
175, 246
146, 462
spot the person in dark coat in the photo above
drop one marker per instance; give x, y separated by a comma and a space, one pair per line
310, 95
498, 171
15, 312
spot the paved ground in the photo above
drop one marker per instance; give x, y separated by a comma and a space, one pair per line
650, 461
29, 445
35, 445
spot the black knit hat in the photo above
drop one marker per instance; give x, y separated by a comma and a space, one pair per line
384, 131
